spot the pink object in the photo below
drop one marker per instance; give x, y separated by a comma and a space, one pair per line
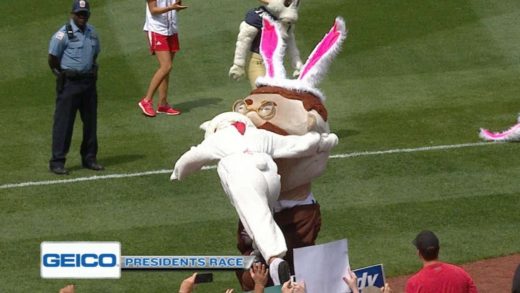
512, 134
168, 110
323, 47
240, 126
146, 107
272, 49
268, 44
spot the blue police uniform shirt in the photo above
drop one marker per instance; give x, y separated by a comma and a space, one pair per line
78, 52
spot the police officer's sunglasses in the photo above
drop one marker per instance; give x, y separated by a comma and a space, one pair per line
83, 14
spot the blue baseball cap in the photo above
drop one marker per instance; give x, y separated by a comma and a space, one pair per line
80, 5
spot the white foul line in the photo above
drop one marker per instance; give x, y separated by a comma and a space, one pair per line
164, 171
420, 149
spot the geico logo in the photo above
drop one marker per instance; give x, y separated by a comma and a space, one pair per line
87, 260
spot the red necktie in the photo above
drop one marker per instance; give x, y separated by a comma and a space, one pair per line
240, 126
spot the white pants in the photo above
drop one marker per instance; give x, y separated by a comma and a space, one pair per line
252, 184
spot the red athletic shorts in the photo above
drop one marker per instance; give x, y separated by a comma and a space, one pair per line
160, 42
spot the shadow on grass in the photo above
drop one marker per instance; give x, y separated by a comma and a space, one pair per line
112, 161
116, 160
197, 103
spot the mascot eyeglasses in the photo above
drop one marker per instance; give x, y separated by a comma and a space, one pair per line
266, 110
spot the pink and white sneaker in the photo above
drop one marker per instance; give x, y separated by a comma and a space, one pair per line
168, 110
147, 107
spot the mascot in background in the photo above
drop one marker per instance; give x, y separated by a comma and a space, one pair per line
285, 14
512, 134
298, 109
249, 175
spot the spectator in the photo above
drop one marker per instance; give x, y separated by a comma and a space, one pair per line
437, 276
68, 289
162, 32
73, 51
516, 281
293, 287
188, 284
259, 274
351, 280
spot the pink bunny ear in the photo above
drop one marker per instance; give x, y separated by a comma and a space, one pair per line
272, 49
318, 62
512, 134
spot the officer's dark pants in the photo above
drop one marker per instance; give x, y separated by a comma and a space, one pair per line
75, 94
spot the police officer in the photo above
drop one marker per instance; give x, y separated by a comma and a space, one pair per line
73, 51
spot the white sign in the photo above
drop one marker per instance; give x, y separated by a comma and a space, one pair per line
80, 260
322, 267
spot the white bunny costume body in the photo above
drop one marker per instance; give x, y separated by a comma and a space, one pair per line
247, 171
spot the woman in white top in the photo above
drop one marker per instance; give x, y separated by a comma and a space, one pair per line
161, 29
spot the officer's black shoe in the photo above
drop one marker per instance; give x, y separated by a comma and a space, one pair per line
93, 166
59, 170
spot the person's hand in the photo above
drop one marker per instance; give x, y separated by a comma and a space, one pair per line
68, 289
293, 287
178, 6
351, 281
298, 287
229, 290
386, 289
237, 72
287, 287
188, 284
259, 273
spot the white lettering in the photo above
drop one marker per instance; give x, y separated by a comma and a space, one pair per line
362, 282
372, 279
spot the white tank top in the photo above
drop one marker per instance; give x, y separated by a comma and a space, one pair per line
164, 24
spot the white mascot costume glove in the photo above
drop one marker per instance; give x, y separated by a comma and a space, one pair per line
247, 171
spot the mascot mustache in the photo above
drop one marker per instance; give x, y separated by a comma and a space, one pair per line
273, 128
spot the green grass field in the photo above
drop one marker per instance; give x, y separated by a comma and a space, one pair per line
412, 74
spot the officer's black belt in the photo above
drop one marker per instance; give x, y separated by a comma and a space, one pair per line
77, 75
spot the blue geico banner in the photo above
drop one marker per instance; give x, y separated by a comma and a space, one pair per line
101, 260
370, 277
80, 260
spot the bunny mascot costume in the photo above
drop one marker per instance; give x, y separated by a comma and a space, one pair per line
298, 109
249, 175
285, 13
512, 134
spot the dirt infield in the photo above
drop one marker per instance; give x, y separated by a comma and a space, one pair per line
490, 275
